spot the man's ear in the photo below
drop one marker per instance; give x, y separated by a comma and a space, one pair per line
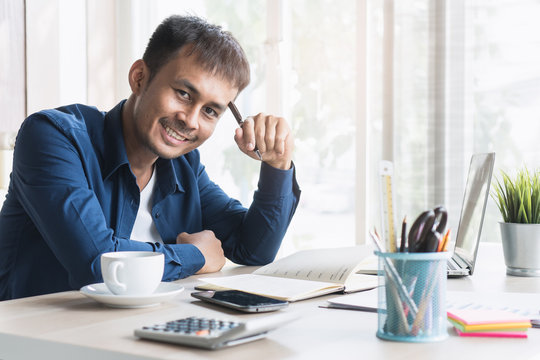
138, 76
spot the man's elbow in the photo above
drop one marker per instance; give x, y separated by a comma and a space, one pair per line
255, 259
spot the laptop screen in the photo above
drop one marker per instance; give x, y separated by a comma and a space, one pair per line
474, 207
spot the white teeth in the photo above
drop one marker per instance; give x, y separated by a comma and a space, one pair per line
174, 134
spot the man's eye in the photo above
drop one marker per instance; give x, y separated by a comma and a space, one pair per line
183, 94
210, 111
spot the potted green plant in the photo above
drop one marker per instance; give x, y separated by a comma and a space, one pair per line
518, 200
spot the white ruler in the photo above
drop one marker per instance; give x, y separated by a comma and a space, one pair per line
387, 205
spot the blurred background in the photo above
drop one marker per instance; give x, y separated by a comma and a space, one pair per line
421, 83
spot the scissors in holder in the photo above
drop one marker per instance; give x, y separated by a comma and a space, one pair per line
427, 230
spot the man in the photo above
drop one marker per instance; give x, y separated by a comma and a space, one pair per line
85, 182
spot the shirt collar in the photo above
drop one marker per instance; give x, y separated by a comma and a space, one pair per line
116, 156
113, 135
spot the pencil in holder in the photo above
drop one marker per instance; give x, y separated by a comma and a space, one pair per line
412, 296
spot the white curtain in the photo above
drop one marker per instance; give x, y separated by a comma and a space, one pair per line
458, 77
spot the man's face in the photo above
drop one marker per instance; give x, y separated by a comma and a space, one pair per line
178, 110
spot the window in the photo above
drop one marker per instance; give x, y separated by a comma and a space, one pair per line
300, 71
424, 83
458, 77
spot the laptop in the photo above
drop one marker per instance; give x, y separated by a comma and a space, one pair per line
472, 215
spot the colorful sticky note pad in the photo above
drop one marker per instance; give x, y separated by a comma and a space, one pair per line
498, 334
478, 320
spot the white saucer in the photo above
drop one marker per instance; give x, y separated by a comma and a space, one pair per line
102, 294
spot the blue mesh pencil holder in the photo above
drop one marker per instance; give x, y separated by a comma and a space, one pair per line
412, 296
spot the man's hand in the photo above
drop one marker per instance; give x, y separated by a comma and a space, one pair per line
272, 136
209, 246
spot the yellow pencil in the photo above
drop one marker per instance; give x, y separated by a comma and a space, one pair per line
444, 242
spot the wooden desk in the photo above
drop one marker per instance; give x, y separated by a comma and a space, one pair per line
69, 325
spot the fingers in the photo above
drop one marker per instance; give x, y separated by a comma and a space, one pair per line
266, 137
209, 246
245, 135
280, 137
183, 238
270, 134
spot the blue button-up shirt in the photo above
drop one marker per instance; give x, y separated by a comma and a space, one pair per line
72, 197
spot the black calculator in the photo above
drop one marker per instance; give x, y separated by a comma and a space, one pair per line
213, 333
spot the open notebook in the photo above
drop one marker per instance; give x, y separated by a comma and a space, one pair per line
302, 275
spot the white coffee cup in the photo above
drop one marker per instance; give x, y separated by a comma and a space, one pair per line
134, 273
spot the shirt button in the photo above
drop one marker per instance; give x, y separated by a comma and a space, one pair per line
157, 215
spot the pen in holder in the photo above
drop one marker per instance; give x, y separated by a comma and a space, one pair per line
412, 296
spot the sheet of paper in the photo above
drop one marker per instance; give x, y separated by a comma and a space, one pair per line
524, 304
363, 301
283, 288
519, 303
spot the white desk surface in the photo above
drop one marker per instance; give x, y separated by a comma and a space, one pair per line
69, 325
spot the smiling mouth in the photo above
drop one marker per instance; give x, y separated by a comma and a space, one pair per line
175, 135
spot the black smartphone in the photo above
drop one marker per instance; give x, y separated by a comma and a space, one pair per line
241, 301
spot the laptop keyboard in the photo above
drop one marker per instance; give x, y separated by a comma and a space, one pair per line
455, 262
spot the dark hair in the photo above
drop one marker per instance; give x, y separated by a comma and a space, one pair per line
217, 50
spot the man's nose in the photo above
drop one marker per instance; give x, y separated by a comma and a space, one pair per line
190, 117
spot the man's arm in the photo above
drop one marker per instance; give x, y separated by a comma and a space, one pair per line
50, 174
251, 236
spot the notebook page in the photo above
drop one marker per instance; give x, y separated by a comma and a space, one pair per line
327, 265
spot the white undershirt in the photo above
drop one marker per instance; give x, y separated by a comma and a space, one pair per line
144, 228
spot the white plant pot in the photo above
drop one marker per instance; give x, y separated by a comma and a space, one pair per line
521, 248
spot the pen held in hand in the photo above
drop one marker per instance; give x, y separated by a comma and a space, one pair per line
240, 122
